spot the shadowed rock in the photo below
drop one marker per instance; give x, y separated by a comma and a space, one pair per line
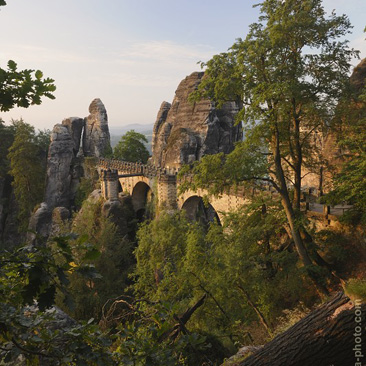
75, 126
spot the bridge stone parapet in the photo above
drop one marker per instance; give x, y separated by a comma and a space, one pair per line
145, 182
146, 170
141, 181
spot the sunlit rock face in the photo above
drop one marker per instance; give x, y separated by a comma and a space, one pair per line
327, 146
71, 140
60, 156
96, 138
185, 131
358, 76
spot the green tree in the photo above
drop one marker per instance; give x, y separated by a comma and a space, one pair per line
27, 169
29, 278
6, 139
245, 268
109, 250
349, 184
132, 148
288, 73
22, 88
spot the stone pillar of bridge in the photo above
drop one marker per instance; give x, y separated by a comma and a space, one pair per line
167, 192
112, 185
103, 183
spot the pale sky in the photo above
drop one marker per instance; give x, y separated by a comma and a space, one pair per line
131, 54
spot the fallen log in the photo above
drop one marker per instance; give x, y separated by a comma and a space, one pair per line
334, 334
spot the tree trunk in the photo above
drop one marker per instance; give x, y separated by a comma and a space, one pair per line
297, 163
332, 335
286, 202
290, 213
257, 311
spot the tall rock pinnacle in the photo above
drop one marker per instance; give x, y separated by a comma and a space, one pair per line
96, 138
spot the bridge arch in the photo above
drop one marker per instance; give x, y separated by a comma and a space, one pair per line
141, 195
196, 210
120, 188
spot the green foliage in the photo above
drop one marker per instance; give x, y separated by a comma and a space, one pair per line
88, 182
288, 74
29, 278
349, 184
111, 254
291, 317
146, 341
22, 88
27, 167
245, 164
356, 289
242, 267
332, 244
131, 147
7, 134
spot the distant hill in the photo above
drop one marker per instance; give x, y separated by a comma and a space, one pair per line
118, 132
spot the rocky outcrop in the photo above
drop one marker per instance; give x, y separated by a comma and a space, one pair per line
75, 127
39, 224
65, 165
358, 76
185, 131
327, 152
60, 156
96, 138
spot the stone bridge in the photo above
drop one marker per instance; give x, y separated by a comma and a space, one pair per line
147, 183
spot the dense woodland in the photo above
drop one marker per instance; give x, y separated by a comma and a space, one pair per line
112, 290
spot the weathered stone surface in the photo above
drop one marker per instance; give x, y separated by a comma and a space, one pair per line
326, 145
75, 126
96, 138
358, 76
40, 223
122, 214
160, 139
184, 132
59, 174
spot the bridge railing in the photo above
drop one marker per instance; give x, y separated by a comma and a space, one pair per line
148, 170
135, 168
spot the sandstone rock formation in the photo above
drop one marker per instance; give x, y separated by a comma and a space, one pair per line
60, 156
75, 127
326, 147
64, 168
70, 141
96, 138
184, 132
358, 76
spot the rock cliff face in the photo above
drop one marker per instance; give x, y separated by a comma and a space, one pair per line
65, 164
358, 76
75, 127
326, 142
184, 132
64, 168
60, 156
96, 138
